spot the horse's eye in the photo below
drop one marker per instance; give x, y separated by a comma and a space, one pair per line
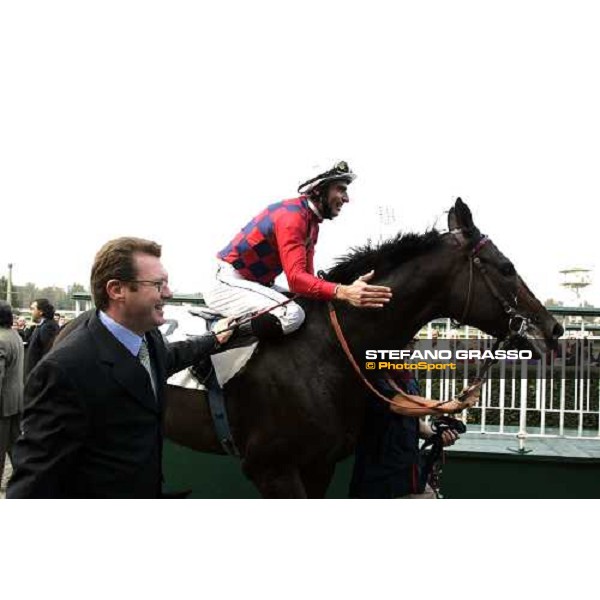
507, 269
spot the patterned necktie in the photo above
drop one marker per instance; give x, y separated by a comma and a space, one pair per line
144, 357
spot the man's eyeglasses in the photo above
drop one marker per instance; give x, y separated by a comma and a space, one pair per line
159, 284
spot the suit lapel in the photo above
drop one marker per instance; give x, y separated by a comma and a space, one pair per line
126, 369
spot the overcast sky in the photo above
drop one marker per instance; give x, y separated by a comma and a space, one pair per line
179, 121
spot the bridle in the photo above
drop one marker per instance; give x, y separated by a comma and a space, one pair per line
518, 324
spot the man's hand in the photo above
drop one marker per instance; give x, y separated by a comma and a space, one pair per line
223, 336
472, 395
449, 437
363, 295
456, 406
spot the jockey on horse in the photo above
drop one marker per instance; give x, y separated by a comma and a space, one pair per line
282, 238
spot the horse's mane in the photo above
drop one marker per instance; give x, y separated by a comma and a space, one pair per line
383, 256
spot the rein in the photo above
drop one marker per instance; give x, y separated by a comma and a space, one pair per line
344, 344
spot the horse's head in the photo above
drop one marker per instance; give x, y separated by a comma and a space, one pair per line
487, 291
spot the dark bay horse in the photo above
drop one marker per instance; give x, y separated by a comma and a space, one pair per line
296, 409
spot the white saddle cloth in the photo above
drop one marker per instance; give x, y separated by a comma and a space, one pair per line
182, 322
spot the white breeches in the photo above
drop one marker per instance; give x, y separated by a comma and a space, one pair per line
233, 296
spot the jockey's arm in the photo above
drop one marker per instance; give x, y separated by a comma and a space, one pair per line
296, 261
291, 236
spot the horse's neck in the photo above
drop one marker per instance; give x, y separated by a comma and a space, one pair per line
418, 299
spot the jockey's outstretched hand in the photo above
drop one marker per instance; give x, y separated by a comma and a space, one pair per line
363, 295
220, 325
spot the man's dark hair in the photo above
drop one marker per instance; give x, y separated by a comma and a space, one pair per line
319, 195
47, 309
6, 315
321, 190
115, 261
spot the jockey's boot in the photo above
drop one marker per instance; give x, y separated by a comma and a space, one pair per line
265, 327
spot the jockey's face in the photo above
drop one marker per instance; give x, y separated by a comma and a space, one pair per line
337, 196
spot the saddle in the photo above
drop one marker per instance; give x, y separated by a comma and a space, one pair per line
182, 322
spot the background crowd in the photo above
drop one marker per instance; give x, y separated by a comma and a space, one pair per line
23, 343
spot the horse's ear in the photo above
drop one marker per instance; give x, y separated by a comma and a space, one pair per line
464, 216
452, 220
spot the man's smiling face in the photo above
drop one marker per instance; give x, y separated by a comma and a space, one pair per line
143, 302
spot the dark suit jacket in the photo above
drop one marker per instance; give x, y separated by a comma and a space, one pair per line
40, 343
92, 425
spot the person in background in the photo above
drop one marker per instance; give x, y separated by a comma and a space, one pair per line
20, 326
387, 459
11, 383
42, 338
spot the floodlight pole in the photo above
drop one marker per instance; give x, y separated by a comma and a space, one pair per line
9, 284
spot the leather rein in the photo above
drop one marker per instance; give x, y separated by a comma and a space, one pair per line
344, 344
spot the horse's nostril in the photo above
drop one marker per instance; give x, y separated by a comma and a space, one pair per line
557, 331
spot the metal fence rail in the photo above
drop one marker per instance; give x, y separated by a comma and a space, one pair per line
556, 396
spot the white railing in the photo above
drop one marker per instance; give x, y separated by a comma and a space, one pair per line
557, 396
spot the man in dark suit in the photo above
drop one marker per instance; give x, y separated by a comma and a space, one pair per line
92, 425
42, 313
